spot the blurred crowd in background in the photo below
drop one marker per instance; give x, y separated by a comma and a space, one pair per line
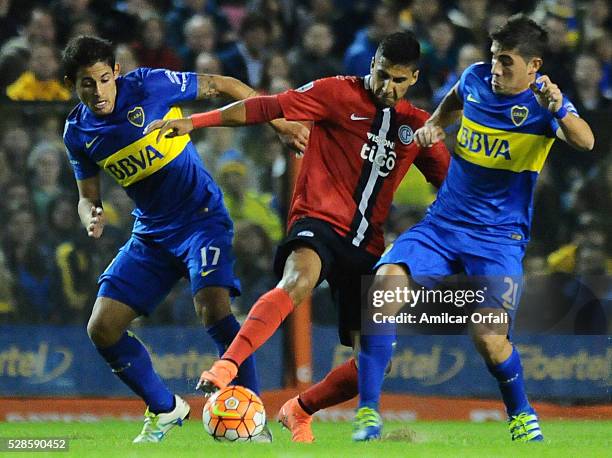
48, 266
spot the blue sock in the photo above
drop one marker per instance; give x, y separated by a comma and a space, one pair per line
223, 332
509, 375
131, 362
374, 356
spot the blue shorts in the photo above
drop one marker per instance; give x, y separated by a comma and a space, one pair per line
147, 267
431, 252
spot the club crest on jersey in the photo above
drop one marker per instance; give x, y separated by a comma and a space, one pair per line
136, 116
519, 113
405, 134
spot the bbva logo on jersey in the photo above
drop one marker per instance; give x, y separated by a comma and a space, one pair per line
476, 142
133, 164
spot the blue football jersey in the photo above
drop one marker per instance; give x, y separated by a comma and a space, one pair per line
501, 147
166, 180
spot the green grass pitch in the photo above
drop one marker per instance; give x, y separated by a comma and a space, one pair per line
428, 439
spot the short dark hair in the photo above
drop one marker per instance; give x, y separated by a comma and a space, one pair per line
523, 34
401, 48
83, 51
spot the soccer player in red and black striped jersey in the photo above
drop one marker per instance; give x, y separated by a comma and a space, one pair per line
360, 147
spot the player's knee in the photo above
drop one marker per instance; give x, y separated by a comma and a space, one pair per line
212, 304
393, 270
297, 285
102, 332
389, 277
382, 283
490, 346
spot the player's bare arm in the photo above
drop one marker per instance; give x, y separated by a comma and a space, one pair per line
572, 129
292, 134
230, 115
215, 85
90, 206
448, 112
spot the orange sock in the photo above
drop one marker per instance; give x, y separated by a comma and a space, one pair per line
262, 321
338, 386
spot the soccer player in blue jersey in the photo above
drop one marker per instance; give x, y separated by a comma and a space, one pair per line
510, 116
182, 227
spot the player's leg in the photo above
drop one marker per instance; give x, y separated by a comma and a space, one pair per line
302, 261
500, 268
341, 383
205, 249
300, 276
338, 386
132, 285
420, 252
504, 363
375, 352
125, 354
213, 308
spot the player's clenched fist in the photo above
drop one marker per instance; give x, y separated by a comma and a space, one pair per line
429, 134
292, 134
547, 93
96, 222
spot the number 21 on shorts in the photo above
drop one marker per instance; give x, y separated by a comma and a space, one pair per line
511, 294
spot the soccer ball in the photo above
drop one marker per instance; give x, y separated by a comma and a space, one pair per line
234, 414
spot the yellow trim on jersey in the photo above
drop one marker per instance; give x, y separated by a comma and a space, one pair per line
145, 156
501, 149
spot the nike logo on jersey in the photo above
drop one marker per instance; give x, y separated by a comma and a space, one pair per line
470, 98
355, 117
208, 272
91, 142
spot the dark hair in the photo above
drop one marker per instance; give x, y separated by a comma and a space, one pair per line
83, 51
401, 48
522, 34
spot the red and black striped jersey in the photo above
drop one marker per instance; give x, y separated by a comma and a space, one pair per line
357, 155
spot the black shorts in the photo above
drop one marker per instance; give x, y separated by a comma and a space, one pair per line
343, 265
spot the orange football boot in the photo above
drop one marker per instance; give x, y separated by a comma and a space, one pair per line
295, 419
217, 377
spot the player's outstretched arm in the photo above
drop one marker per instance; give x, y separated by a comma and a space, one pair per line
444, 115
292, 134
90, 206
251, 111
572, 129
233, 114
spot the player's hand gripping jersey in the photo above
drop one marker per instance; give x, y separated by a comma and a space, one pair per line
501, 147
166, 180
356, 157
